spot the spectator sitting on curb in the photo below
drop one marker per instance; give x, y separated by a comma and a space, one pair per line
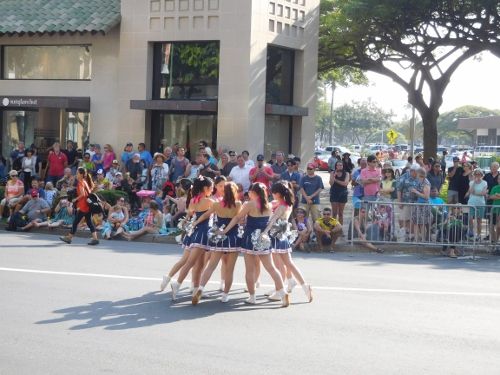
63, 214
36, 210
327, 230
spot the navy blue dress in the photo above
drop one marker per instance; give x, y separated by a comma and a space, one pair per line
253, 223
199, 238
232, 242
280, 246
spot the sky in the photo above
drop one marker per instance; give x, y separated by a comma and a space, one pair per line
474, 83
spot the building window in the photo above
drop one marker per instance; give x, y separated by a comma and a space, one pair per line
277, 134
185, 129
186, 70
42, 128
279, 75
47, 62
482, 140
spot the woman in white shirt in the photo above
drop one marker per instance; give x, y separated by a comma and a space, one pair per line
28, 166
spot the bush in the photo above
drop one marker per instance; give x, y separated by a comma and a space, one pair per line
444, 191
2, 192
111, 196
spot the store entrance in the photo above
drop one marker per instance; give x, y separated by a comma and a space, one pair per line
41, 128
187, 130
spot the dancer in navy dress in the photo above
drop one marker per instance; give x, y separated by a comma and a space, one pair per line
186, 243
218, 195
281, 248
198, 242
257, 212
226, 210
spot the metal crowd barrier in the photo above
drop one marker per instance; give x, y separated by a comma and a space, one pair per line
423, 224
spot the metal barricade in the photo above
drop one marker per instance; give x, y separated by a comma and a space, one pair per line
456, 227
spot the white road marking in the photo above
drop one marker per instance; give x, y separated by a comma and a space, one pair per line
326, 288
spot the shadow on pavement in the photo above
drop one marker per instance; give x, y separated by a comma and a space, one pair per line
482, 263
151, 309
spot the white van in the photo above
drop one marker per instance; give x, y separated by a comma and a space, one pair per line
486, 151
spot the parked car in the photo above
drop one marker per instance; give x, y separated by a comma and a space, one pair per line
398, 165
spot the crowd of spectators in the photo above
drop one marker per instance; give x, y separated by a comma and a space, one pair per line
149, 190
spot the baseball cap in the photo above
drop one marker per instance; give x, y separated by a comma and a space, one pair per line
456, 158
115, 161
118, 174
129, 144
34, 193
260, 157
100, 171
311, 165
415, 167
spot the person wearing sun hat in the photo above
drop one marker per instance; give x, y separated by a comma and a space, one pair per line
159, 171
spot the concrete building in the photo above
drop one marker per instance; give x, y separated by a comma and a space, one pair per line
486, 129
240, 74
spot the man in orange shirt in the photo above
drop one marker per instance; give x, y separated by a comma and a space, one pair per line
261, 173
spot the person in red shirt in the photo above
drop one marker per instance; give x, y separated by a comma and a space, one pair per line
56, 162
83, 190
261, 173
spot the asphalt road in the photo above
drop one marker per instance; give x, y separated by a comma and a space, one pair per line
91, 310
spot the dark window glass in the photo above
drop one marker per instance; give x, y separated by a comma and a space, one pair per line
186, 70
185, 129
277, 134
279, 76
47, 62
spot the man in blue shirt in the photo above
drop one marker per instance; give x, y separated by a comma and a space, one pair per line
127, 154
145, 154
310, 188
293, 177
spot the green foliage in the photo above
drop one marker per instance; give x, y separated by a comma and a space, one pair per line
111, 196
361, 122
427, 38
443, 193
195, 60
2, 192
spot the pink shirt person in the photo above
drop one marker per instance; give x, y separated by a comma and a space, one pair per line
370, 178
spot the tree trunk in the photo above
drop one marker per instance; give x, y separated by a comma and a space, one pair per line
429, 122
331, 113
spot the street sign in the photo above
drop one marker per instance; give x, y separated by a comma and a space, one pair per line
392, 136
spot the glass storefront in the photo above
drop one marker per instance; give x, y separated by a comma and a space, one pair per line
279, 75
186, 70
277, 134
47, 62
185, 129
42, 128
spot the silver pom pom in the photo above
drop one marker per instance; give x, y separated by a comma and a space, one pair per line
214, 234
186, 225
292, 236
280, 230
260, 241
241, 231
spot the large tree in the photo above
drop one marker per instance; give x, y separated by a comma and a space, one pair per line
343, 77
360, 123
419, 44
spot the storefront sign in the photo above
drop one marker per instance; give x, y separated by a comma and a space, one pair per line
72, 103
19, 102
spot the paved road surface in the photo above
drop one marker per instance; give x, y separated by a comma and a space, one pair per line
81, 310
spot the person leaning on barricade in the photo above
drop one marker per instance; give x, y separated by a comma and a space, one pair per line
407, 182
495, 215
327, 230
